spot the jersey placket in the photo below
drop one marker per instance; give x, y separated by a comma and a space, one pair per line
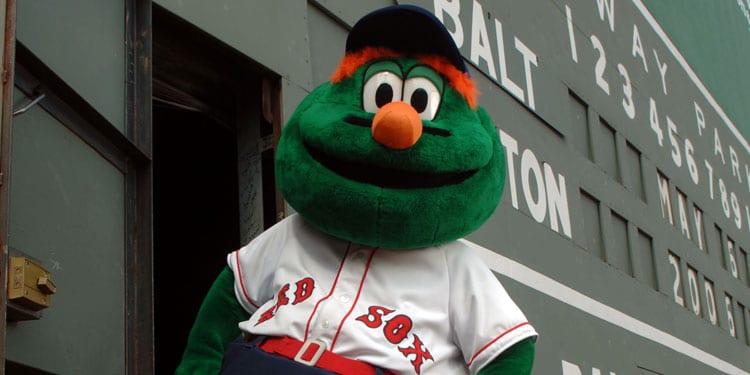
333, 311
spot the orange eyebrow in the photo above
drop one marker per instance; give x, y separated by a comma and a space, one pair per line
460, 81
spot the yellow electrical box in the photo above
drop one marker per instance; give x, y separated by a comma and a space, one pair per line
29, 284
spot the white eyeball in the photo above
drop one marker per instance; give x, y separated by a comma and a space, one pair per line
423, 95
381, 89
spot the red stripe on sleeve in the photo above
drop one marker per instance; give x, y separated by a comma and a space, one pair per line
242, 282
493, 341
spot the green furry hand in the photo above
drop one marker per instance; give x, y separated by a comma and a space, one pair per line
214, 328
516, 360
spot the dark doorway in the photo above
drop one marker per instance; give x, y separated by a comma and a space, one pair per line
195, 219
213, 139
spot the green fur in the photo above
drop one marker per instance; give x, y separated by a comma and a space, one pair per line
214, 328
516, 360
397, 218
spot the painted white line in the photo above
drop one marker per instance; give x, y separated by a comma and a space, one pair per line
693, 77
574, 298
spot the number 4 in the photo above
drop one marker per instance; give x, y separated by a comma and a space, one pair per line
654, 119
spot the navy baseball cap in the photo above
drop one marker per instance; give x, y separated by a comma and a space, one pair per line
405, 29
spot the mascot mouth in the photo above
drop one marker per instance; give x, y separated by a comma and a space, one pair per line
387, 177
367, 123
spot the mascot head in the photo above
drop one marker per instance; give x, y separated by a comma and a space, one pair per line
393, 151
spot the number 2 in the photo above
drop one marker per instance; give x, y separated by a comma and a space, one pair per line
601, 64
675, 262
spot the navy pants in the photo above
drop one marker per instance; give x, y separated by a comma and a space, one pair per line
242, 358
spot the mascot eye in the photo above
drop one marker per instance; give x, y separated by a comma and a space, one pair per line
381, 89
423, 95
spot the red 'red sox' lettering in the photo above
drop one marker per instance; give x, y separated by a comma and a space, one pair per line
374, 318
281, 299
420, 354
396, 330
303, 290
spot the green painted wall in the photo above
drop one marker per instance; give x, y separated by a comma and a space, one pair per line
67, 210
621, 249
82, 41
714, 37
569, 96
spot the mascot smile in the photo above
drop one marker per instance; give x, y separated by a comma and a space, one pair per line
396, 154
386, 165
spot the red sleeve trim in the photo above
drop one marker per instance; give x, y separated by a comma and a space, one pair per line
493, 341
242, 282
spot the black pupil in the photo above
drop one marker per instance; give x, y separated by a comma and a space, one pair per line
383, 95
419, 100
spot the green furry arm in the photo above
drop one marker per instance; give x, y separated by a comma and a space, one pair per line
214, 328
516, 360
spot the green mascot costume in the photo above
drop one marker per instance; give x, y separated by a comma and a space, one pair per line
387, 165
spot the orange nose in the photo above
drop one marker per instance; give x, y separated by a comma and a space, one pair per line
397, 125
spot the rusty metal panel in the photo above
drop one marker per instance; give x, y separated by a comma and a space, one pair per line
8, 9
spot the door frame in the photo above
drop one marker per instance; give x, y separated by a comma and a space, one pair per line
8, 58
139, 306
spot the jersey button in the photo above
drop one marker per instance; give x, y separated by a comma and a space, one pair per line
345, 298
326, 324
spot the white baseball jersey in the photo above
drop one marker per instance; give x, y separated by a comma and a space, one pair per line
434, 310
